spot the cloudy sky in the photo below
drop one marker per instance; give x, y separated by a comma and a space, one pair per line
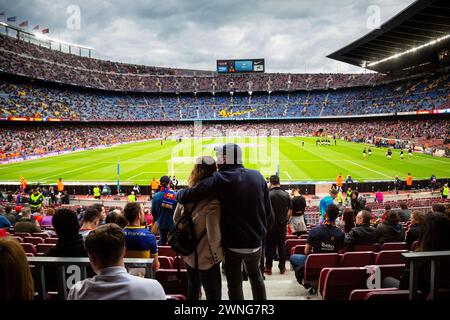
292, 35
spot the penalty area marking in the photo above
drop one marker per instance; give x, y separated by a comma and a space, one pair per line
288, 175
364, 167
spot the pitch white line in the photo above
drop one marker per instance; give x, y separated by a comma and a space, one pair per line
136, 175
289, 176
364, 167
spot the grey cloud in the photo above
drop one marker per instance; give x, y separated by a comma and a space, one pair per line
289, 34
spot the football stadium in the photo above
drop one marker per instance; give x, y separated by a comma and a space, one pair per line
213, 168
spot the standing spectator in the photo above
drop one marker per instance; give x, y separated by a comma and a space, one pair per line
154, 185
379, 196
132, 197
357, 202
325, 202
106, 249
324, 238
163, 207
70, 242
139, 241
60, 185
276, 237
297, 214
391, 230
409, 181
433, 182
363, 233
413, 233
26, 223
91, 220
203, 266
339, 182
36, 200
445, 191
397, 184
246, 216
137, 190
16, 281
405, 215
96, 192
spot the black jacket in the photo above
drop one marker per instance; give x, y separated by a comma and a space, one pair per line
390, 233
73, 248
361, 235
358, 204
412, 234
246, 211
281, 203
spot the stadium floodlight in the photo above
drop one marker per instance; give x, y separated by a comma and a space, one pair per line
410, 50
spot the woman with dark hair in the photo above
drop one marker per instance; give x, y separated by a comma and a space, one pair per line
391, 230
203, 268
358, 203
434, 236
414, 230
347, 221
16, 281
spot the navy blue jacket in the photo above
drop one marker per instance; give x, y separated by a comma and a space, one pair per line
246, 212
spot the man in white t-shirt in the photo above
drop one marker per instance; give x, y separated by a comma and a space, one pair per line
105, 247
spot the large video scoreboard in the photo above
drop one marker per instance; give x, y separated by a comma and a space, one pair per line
240, 66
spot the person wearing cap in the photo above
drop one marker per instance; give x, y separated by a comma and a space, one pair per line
246, 215
325, 202
163, 207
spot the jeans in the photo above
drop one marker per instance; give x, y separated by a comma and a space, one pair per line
210, 279
276, 239
233, 271
298, 261
163, 237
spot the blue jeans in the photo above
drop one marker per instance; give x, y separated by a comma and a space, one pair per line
298, 261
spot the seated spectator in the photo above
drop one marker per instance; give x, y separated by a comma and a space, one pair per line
70, 241
91, 220
413, 233
47, 219
324, 238
116, 216
405, 215
139, 241
347, 221
106, 249
435, 236
148, 217
39, 215
16, 281
100, 208
10, 214
391, 230
4, 221
26, 223
363, 233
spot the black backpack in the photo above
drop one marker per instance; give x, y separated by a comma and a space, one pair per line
182, 238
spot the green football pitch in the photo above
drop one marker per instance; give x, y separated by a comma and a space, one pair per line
140, 162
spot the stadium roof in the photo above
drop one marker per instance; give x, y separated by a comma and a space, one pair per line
410, 33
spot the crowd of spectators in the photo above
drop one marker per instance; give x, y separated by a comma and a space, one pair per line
22, 141
39, 62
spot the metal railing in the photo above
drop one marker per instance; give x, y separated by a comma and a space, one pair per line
415, 261
71, 270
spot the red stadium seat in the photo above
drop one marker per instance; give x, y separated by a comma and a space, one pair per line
291, 243
172, 281
51, 240
357, 259
390, 257
22, 234
366, 247
43, 235
29, 248
165, 262
176, 297
42, 248
166, 251
389, 295
394, 246
298, 249
314, 264
304, 236
179, 260
340, 282
360, 294
291, 236
17, 238
33, 240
